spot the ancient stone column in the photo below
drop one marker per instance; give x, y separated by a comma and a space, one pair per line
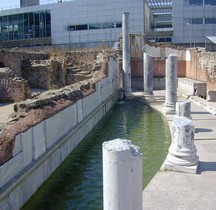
122, 175
148, 74
171, 84
126, 54
182, 152
183, 109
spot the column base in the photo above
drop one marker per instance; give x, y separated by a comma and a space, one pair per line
169, 109
167, 166
129, 96
149, 97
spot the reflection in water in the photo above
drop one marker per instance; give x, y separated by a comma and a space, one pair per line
77, 183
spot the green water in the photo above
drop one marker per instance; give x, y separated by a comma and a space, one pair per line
77, 183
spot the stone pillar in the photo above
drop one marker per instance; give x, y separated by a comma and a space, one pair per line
148, 74
182, 152
183, 109
126, 54
122, 175
171, 84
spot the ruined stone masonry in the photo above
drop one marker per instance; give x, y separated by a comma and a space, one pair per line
60, 80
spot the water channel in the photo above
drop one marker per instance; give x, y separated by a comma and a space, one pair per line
77, 183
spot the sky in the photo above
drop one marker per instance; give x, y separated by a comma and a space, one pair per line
16, 3
9, 3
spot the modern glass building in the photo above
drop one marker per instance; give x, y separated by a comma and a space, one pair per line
193, 21
25, 26
27, 3
81, 23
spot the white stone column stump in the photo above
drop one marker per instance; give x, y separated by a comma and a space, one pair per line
122, 175
126, 57
182, 155
183, 109
171, 84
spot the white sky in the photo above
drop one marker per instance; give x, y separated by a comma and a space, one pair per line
16, 3
9, 3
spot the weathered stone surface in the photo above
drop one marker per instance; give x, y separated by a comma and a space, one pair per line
171, 84
126, 54
39, 140
122, 175
183, 109
148, 74
13, 88
182, 152
211, 96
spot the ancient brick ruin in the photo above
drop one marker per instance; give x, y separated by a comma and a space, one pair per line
13, 88
21, 71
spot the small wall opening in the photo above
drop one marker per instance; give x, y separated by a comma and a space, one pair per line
2, 65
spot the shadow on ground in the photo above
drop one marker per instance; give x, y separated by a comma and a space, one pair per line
206, 166
200, 130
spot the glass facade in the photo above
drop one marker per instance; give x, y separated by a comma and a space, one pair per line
210, 2
95, 26
25, 26
195, 2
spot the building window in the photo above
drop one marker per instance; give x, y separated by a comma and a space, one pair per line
95, 26
118, 25
25, 26
210, 20
196, 21
108, 25
210, 2
81, 27
195, 2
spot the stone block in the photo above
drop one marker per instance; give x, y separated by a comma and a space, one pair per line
183, 109
11, 168
105, 91
211, 96
200, 90
39, 140
27, 146
17, 146
79, 110
59, 124
90, 103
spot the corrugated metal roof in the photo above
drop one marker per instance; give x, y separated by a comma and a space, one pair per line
212, 39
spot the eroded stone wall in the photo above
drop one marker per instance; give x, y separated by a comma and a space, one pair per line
202, 66
14, 58
13, 88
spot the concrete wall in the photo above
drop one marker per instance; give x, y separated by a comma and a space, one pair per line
42, 148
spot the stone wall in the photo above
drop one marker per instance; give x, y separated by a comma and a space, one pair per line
201, 65
159, 68
14, 58
13, 88
159, 52
37, 150
45, 74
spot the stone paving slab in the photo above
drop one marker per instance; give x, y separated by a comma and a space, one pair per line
5, 110
180, 191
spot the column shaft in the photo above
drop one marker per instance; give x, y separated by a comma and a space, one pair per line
148, 73
126, 53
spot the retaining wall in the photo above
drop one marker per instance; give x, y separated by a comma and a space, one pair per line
201, 65
42, 148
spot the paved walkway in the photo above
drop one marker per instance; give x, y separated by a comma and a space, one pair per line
180, 191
